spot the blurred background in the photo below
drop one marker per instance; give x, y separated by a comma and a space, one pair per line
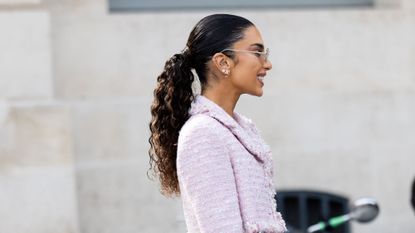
76, 82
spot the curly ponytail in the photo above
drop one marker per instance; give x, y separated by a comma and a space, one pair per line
173, 94
172, 99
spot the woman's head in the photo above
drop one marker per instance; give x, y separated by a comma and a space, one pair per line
209, 52
226, 45
212, 35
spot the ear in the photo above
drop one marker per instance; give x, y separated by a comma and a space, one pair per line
222, 63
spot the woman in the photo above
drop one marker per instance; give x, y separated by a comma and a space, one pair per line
202, 149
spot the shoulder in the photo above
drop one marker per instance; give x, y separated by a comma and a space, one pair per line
201, 138
201, 126
201, 132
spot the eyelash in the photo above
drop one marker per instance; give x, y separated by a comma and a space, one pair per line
257, 53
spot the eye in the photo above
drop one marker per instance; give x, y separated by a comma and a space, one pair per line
257, 53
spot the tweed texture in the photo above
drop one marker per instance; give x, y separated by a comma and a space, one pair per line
225, 174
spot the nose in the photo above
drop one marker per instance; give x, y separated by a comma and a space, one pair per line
267, 65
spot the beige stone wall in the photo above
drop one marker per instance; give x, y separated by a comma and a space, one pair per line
75, 91
37, 176
36, 173
25, 55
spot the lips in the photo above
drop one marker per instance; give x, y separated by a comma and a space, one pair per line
261, 79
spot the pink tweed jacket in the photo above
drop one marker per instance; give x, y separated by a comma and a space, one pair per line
225, 174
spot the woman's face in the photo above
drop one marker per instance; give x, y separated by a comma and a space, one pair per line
249, 69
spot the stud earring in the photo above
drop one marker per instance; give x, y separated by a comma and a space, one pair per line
226, 72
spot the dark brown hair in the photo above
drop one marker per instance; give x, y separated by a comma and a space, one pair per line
173, 94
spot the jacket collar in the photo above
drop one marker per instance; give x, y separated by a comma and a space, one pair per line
242, 127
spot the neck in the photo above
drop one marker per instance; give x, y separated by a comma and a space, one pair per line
227, 101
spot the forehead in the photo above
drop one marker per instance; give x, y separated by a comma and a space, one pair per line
251, 36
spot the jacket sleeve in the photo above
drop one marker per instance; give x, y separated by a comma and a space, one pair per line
207, 179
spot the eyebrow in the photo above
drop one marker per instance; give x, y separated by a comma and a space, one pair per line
259, 45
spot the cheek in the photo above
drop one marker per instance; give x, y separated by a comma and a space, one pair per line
245, 75
250, 73
247, 69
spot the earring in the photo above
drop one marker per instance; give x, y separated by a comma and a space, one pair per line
226, 72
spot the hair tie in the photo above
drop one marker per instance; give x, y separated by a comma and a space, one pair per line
186, 55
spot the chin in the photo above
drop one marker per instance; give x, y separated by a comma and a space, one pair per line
258, 93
